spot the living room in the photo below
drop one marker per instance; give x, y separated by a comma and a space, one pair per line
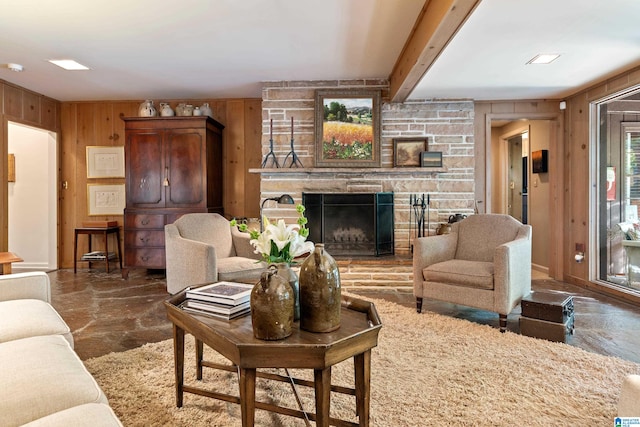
465, 129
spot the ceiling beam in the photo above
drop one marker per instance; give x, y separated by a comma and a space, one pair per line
436, 25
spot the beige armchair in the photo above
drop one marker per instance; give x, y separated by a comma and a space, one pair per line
485, 263
204, 248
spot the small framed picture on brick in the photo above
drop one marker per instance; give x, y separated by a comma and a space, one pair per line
406, 151
431, 159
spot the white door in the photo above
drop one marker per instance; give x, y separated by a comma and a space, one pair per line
33, 198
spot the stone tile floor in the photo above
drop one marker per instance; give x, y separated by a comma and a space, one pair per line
109, 314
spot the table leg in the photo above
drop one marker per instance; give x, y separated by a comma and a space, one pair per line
6, 268
178, 357
362, 368
118, 247
106, 249
322, 381
248, 396
199, 356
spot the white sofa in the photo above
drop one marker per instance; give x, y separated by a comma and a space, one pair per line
629, 403
44, 382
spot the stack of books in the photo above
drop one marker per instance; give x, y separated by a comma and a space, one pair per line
226, 300
97, 256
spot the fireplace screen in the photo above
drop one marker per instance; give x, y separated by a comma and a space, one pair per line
351, 223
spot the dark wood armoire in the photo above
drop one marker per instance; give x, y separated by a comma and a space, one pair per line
173, 166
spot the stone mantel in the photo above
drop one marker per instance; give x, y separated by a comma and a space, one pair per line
348, 171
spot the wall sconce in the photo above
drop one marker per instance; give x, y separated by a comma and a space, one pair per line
285, 199
579, 257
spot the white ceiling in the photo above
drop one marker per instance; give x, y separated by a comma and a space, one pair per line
195, 49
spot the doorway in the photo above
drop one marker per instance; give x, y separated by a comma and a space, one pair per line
518, 176
519, 191
32, 197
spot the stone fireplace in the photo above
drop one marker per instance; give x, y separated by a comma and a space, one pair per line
448, 126
351, 224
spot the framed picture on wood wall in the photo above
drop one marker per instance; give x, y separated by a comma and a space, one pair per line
105, 162
347, 128
406, 151
105, 199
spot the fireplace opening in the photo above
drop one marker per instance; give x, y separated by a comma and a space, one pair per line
351, 223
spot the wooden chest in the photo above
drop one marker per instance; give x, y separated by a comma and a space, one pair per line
552, 331
548, 306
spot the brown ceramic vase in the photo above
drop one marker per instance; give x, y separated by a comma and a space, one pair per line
272, 303
319, 292
285, 271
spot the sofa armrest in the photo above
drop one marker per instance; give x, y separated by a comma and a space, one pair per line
32, 285
629, 403
431, 250
512, 273
241, 244
188, 262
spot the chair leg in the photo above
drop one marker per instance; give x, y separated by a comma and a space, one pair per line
419, 304
503, 322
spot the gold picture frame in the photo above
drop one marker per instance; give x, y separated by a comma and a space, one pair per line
347, 128
406, 151
11, 168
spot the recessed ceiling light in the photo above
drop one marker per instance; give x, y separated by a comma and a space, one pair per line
68, 64
14, 67
543, 58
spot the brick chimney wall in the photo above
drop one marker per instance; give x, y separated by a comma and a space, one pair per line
447, 124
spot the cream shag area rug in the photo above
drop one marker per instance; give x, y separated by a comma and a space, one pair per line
428, 369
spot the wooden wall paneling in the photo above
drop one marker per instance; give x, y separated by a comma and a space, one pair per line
252, 156
233, 155
31, 107
49, 113
12, 101
67, 175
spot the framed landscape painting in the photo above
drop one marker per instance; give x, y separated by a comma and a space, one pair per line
347, 128
406, 151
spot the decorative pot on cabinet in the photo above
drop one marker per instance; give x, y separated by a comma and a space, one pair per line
166, 110
206, 110
147, 109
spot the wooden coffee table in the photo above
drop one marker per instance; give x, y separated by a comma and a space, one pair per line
357, 335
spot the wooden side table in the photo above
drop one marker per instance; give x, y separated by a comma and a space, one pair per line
6, 258
105, 231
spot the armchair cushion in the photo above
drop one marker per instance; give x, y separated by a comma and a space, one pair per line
473, 274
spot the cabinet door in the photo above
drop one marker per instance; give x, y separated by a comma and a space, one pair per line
145, 169
186, 159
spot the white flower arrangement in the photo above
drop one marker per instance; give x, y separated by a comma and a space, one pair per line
280, 242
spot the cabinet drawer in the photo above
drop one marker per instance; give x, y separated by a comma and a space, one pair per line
145, 257
144, 221
144, 238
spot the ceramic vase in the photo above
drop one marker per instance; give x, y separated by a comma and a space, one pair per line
285, 271
206, 110
147, 109
320, 297
272, 307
